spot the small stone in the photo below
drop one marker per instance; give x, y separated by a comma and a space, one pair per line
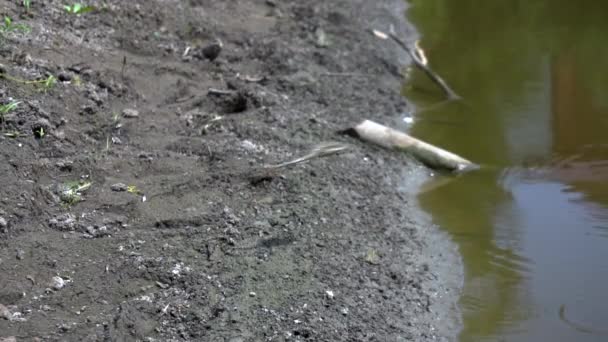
57, 283
236, 339
329, 294
130, 113
252, 294
20, 254
4, 312
118, 187
65, 222
3, 223
91, 230
344, 311
8, 339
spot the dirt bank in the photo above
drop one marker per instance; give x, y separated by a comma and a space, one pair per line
128, 210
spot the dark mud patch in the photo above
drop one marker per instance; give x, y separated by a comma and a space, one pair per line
171, 240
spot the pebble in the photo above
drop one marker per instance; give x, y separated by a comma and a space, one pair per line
3, 223
8, 339
57, 283
65, 222
130, 113
118, 187
20, 254
4, 312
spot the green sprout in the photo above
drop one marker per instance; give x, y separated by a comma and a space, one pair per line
372, 257
6, 108
132, 189
9, 26
78, 9
70, 193
27, 4
77, 81
48, 83
40, 133
45, 84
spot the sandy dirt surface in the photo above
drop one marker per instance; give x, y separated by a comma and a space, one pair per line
133, 203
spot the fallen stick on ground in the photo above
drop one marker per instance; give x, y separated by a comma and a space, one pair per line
420, 60
320, 150
268, 172
430, 155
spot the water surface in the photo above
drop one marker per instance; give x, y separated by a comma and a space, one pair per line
532, 223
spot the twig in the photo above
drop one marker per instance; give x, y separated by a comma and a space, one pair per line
123, 67
214, 91
345, 74
420, 60
321, 150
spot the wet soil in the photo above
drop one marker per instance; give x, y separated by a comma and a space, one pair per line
131, 202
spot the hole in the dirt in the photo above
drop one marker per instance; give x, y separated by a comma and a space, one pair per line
302, 333
234, 104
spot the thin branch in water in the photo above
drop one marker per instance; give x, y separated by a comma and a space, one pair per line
420, 60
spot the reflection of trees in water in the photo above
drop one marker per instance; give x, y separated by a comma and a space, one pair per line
489, 51
578, 131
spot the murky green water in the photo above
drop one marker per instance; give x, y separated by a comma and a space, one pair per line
532, 224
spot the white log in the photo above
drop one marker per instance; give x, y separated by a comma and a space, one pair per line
428, 154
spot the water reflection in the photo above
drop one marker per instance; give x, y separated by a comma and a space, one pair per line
532, 223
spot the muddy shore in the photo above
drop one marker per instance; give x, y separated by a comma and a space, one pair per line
128, 210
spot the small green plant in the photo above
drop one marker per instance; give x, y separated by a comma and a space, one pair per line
28, 5
78, 9
40, 133
45, 84
6, 108
9, 26
77, 81
132, 189
70, 193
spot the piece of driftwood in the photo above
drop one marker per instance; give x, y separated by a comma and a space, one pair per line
430, 155
420, 60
